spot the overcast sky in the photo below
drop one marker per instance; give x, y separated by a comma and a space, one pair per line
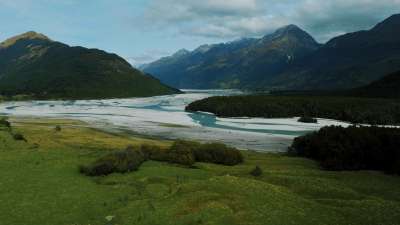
144, 30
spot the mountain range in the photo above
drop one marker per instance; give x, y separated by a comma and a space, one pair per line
34, 65
288, 59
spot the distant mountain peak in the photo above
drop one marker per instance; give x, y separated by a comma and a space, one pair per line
33, 35
181, 52
203, 49
291, 32
25, 36
290, 27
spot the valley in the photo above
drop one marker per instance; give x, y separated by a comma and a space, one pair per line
291, 118
165, 117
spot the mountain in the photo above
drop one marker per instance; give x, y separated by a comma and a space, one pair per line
347, 61
32, 64
243, 63
289, 59
386, 87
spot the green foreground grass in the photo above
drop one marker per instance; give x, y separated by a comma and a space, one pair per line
40, 184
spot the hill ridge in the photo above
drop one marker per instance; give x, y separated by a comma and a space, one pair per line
34, 65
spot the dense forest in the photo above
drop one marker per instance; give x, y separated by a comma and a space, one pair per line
353, 148
354, 110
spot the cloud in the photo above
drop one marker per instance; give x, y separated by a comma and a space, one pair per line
225, 19
328, 18
210, 18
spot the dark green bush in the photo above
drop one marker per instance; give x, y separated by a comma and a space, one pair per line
5, 123
19, 137
209, 153
189, 152
155, 153
57, 128
256, 172
182, 153
352, 148
116, 162
306, 119
218, 153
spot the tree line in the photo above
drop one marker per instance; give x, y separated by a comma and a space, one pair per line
350, 109
352, 148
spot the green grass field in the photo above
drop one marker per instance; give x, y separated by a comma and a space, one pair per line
40, 185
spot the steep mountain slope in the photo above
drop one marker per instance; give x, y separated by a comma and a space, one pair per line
347, 61
387, 87
240, 64
32, 64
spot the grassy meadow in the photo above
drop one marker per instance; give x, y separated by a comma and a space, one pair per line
40, 185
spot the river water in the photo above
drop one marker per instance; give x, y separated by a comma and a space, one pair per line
165, 117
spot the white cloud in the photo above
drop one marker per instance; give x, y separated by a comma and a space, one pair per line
341, 16
239, 18
212, 18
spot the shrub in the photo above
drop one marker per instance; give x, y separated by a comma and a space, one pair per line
256, 172
152, 152
188, 152
57, 128
182, 153
5, 123
352, 148
19, 137
306, 119
116, 162
218, 153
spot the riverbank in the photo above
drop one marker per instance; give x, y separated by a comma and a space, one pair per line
165, 117
41, 182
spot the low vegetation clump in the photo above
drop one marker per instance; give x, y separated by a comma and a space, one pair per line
155, 153
4, 98
57, 128
181, 153
218, 153
354, 110
306, 119
4, 122
116, 162
19, 137
184, 153
256, 172
352, 148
